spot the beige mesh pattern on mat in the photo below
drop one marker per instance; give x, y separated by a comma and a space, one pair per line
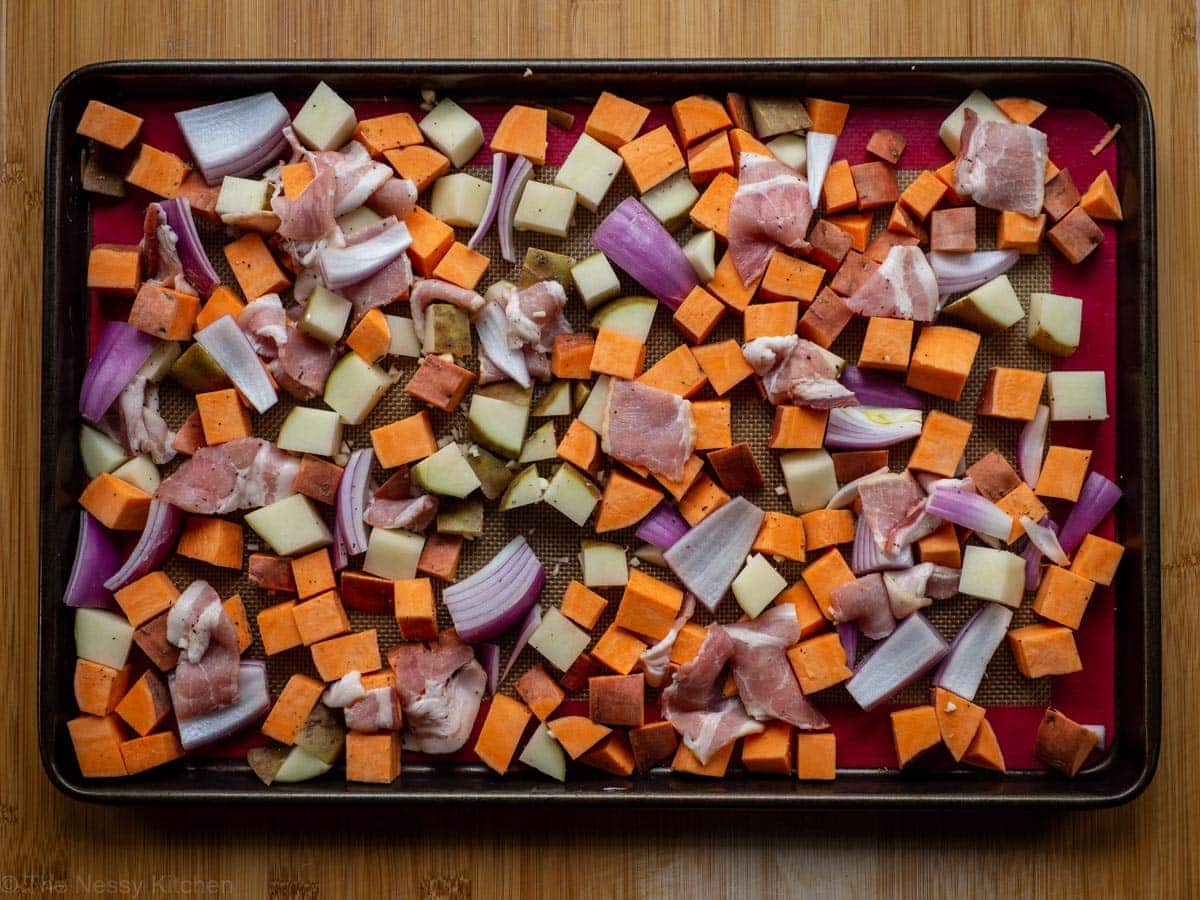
556, 540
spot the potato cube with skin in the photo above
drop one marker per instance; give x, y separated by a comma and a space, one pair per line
404, 340
460, 199
809, 477
979, 103
545, 209
595, 280
558, 639
393, 553
757, 585
242, 197
990, 308
102, 637
291, 525
307, 430
995, 575
326, 121
589, 170
603, 564
453, 131
325, 315
1077, 396
354, 387
1054, 323
671, 201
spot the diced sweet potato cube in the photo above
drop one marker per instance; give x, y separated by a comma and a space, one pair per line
852, 273
1062, 596
539, 692
888, 145
828, 245
404, 441
942, 360
439, 383
770, 751
1061, 195
652, 158
711, 211
1017, 231
164, 313
321, 618
372, 758
318, 478
887, 345
617, 699
953, 230
114, 269
992, 475
108, 125
875, 184
1076, 236
816, 756
698, 315
652, 743
1063, 473
615, 121
415, 614
941, 444
789, 278
825, 319
1097, 559
1062, 743
736, 468
1012, 393
1044, 649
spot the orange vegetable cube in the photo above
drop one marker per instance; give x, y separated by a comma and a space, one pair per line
953, 230
439, 383
145, 753
370, 337
723, 364
582, 605
99, 688
221, 302
886, 144
277, 628
617, 699
686, 761
711, 211
727, 285
825, 575
920, 197
677, 373
97, 742
1017, 231
770, 751
577, 734
652, 743
571, 356
789, 278
501, 732
337, 656
313, 574
321, 618
688, 642
387, 133
736, 468
420, 164
108, 125
522, 132
985, 750
780, 535
1062, 596
115, 503
146, 705
798, 428
164, 313
652, 158
1021, 110
615, 121
1062, 743
157, 171
1097, 559
887, 345
223, 416
857, 225
648, 606
713, 425
1022, 501
914, 732
439, 556
145, 598
941, 547
827, 528
1075, 236
1063, 473
709, 158
254, 267
617, 354
1100, 200
770, 319
580, 446
618, 649
701, 500
372, 758
114, 269
539, 692
431, 239
295, 177
415, 615
828, 116
825, 319
698, 315
1012, 393
838, 192
236, 610
461, 266
816, 756
626, 501
697, 117
297, 699
819, 662
1044, 649
211, 540
942, 360
404, 441
742, 141
941, 444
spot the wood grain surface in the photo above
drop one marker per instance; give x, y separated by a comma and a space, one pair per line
51, 844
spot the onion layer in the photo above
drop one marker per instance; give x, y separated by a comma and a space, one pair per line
529, 625
163, 525
972, 649
875, 389
236, 137
344, 266
636, 242
492, 326
197, 268
252, 704
230, 349
120, 352
971, 511
497, 596
514, 185
896, 662
870, 427
709, 556
1032, 445
351, 501
663, 527
97, 557
1098, 497
499, 170
958, 272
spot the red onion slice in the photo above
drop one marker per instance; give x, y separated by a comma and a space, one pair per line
1044, 536
866, 557
120, 352
972, 649
230, 349
1098, 497
819, 149
157, 542
636, 242
344, 266
339, 556
709, 556
497, 596
234, 137
663, 527
876, 389
896, 662
871, 427
97, 557
514, 185
492, 326
959, 272
970, 510
489, 657
252, 704
1032, 445
499, 170
197, 268
529, 625
351, 500
847, 633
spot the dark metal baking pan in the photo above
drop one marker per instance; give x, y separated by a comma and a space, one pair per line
1104, 88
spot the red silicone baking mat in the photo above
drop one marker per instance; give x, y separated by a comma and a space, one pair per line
863, 738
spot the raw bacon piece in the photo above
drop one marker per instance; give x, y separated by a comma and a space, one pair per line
538, 364
797, 371
440, 685
1002, 165
308, 217
142, 428
694, 705
395, 197
655, 659
865, 601
433, 290
206, 676
303, 365
415, 514
345, 691
943, 582
764, 677
889, 502
389, 284
649, 427
906, 589
535, 316
265, 325
242, 474
771, 207
378, 710
357, 176
159, 251
904, 287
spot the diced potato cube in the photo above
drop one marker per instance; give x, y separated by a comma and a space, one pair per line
307, 430
326, 121
242, 197
393, 553
354, 387
989, 308
290, 526
791, 150
404, 340
701, 252
358, 219
460, 199
951, 128
595, 279
1054, 322
589, 170
453, 131
603, 564
810, 478
671, 201
591, 413
559, 639
757, 585
104, 637
546, 209
572, 494
1077, 396
995, 575
325, 315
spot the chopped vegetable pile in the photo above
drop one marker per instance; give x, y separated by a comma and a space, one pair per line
335, 226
